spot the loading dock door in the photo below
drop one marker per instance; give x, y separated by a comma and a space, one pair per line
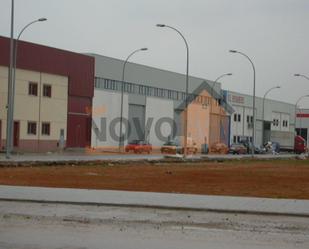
137, 122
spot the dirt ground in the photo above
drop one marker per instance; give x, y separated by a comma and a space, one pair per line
275, 179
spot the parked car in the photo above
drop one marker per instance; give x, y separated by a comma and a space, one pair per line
138, 146
248, 145
237, 149
219, 148
173, 147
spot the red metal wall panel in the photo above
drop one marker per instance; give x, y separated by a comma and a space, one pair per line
77, 67
79, 105
78, 127
302, 115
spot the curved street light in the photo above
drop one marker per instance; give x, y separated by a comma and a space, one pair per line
263, 110
307, 78
187, 86
212, 92
301, 75
10, 114
253, 105
122, 92
216, 80
300, 98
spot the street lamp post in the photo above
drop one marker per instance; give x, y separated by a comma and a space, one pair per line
307, 78
253, 105
216, 80
263, 110
122, 92
15, 55
10, 86
304, 96
212, 91
11, 90
187, 86
301, 75
14, 71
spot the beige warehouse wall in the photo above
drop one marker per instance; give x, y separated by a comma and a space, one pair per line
36, 108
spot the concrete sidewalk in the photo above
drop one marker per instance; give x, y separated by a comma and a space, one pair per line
157, 200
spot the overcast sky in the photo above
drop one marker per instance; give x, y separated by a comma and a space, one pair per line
274, 33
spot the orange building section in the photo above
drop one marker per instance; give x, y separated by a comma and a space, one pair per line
204, 122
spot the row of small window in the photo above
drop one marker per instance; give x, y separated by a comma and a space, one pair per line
148, 90
32, 128
276, 122
237, 118
237, 139
33, 89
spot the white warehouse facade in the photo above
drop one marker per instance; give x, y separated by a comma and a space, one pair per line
153, 108
277, 119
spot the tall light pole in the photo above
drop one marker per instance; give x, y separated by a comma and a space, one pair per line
263, 110
15, 51
212, 91
253, 105
217, 79
187, 86
10, 88
10, 120
122, 92
307, 78
304, 96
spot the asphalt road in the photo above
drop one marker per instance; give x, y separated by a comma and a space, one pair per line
55, 226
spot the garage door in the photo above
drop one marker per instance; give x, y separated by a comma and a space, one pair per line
137, 122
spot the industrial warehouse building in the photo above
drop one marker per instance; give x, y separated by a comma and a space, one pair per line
74, 100
54, 90
155, 97
277, 120
224, 117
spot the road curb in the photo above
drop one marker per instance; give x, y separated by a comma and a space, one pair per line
231, 211
168, 159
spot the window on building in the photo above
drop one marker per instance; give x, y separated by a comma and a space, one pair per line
106, 84
46, 129
251, 119
33, 88
47, 91
235, 117
276, 122
239, 118
31, 130
234, 139
248, 119
169, 94
285, 123
238, 139
250, 139
148, 90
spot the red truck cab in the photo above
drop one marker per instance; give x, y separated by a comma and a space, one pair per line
299, 145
